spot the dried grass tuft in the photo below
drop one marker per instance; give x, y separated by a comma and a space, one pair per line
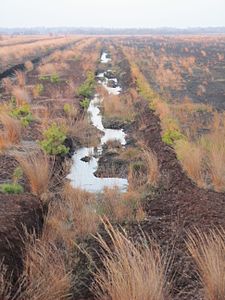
131, 271
208, 251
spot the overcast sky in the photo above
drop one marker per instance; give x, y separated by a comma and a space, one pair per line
112, 13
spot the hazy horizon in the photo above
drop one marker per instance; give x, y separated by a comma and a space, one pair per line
115, 14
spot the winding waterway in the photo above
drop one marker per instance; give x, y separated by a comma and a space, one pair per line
82, 173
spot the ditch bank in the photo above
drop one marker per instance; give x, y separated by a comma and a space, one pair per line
175, 207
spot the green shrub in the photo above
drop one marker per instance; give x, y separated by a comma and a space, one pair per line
171, 136
44, 78
38, 89
87, 88
67, 108
55, 78
138, 167
17, 175
11, 188
54, 137
23, 114
85, 103
70, 110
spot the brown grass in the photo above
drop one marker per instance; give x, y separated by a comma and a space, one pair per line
45, 275
20, 95
5, 285
152, 167
29, 65
11, 133
130, 271
7, 83
74, 216
47, 69
119, 107
215, 147
191, 156
82, 130
118, 207
52, 68
14, 54
20, 78
217, 164
36, 167
208, 251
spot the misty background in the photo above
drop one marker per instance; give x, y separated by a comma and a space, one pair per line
112, 14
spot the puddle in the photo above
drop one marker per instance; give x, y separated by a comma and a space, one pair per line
105, 58
82, 173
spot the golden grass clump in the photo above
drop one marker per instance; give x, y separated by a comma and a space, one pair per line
131, 271
191, 156
21, 95
118, 107
82, 130
47, 69
144, 169
20, 78
45, 275
208, 252
153, 173
52, 68
12, 131
36, 167
117, 206
215, 148
29, 65
74, 216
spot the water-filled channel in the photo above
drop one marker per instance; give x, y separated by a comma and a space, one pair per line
82, 173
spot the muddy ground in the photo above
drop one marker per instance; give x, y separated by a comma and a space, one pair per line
173, 208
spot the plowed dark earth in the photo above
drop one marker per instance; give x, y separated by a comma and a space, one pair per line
176, 207
16, 214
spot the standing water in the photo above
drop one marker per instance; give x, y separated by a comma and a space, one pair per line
82, 173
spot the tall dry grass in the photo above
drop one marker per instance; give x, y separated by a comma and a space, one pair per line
82, 130
29, 65
11, 133
118, 107
73, 216
20, 78
191, 156
131, 271
21, 95
45, 275
36, 167
217, 165
119, 207
208, 252
153, 172
15, 54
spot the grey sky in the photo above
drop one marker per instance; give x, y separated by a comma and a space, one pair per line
112, 13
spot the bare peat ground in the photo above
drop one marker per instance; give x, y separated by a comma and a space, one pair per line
176, 207
17, 215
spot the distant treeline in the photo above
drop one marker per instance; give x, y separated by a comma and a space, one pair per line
111, 31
